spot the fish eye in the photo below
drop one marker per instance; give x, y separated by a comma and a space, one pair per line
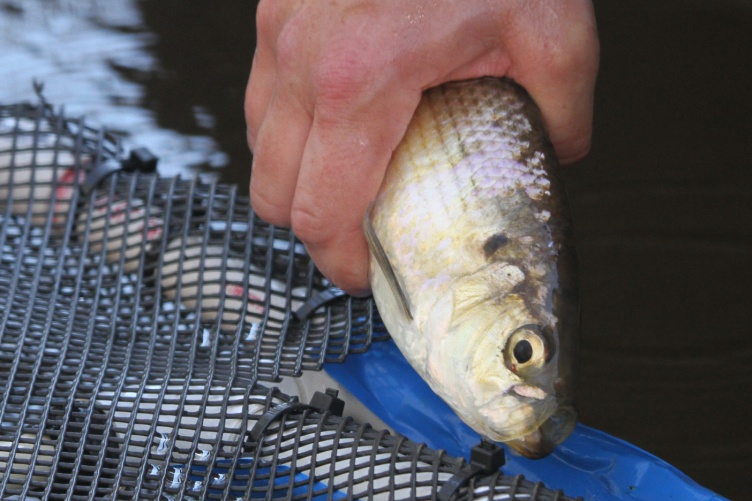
523, 351
526, 351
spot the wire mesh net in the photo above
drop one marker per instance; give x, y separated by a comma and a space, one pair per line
144, 324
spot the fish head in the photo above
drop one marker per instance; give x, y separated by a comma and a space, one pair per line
498, 364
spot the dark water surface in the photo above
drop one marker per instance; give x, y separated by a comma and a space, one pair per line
663, 205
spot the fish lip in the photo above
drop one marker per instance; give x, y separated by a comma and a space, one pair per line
553, 431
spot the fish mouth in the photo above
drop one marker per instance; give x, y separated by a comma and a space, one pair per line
553, 431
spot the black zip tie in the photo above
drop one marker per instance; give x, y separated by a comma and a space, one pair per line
253, 437
317, 301
99, 173
321, 402
328, 402
140, 160
485, 458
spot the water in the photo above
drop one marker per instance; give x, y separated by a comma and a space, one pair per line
662, 205
105, 61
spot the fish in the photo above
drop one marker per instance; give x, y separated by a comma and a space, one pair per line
473, 265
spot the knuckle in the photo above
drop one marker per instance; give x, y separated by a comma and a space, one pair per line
577, 53
268, 208
342, 76
281, 29
557, 40
310, 224
289, 48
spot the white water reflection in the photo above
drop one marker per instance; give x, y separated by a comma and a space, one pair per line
90, 55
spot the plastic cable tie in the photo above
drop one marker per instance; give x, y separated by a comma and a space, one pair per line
488, 456
140, 160
321, 402
318, 300
272, 415
328, 402
99, 173
485, 458
253, 437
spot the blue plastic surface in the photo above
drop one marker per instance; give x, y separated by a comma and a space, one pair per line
590, 463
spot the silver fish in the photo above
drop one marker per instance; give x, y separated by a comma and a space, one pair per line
471, 267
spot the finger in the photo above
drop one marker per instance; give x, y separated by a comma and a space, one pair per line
343, 167
568, 114
276, 162
271, 17
560, 76
258, 92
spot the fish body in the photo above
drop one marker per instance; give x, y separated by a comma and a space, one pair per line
471, 267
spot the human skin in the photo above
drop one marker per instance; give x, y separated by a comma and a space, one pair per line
334, 84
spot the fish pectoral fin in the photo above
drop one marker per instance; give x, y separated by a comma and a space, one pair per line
378, 253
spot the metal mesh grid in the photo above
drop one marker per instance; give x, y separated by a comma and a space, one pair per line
138, 315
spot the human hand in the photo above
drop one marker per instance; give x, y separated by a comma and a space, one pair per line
334, 84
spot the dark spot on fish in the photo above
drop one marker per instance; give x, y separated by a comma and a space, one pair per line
494, 243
